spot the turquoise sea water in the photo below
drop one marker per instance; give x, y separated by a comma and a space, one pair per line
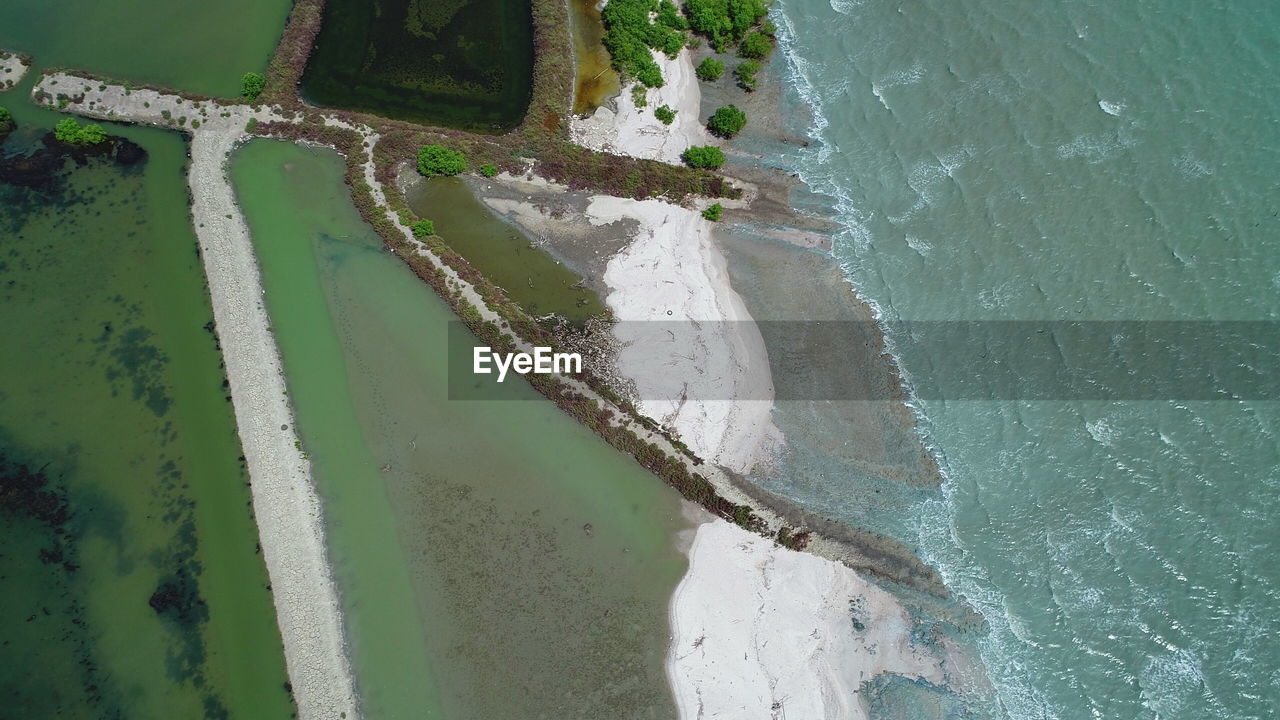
1034, 160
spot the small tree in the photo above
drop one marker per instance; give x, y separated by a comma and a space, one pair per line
727, 121
440, 160
251, 85
710, 70
755, 46
703, 156
489, 170
423, 228
714, 212
665, 114
746, 74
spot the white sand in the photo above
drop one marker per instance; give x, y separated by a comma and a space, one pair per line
636, 132
759, 631
687, 341
12, 69
286, 507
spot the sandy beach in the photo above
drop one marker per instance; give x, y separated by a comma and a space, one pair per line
634, 131
697, 360
759, 631
286, 507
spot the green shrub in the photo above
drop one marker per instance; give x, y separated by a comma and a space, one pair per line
768, 28
710, 70
638, 96
727, 121
249, 126
746, 74
251, 85
423, 228
5, 115
69, 131
440, 160
488, 170
703, 156
665, 114
714, 212
755, 46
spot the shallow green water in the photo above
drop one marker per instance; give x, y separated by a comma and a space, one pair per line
530, 276
459, 531
130, 583
458, 63
201, 47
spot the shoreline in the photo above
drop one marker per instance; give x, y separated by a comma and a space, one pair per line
717, 666
287, 509
795, 635
685, 337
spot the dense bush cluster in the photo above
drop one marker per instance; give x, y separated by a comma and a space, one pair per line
71, 132
251, 85
629, 34
725, 22
440, 160
755, 46
665, 114
746, 74
423, 228
710, 70
703, 156
727, 121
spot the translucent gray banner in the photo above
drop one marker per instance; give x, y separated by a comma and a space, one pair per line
986, 360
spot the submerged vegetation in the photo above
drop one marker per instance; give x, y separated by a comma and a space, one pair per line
460, 64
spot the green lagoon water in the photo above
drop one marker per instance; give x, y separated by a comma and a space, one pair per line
495, 559
130, 581
201, 47
1035, 160
131, 584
